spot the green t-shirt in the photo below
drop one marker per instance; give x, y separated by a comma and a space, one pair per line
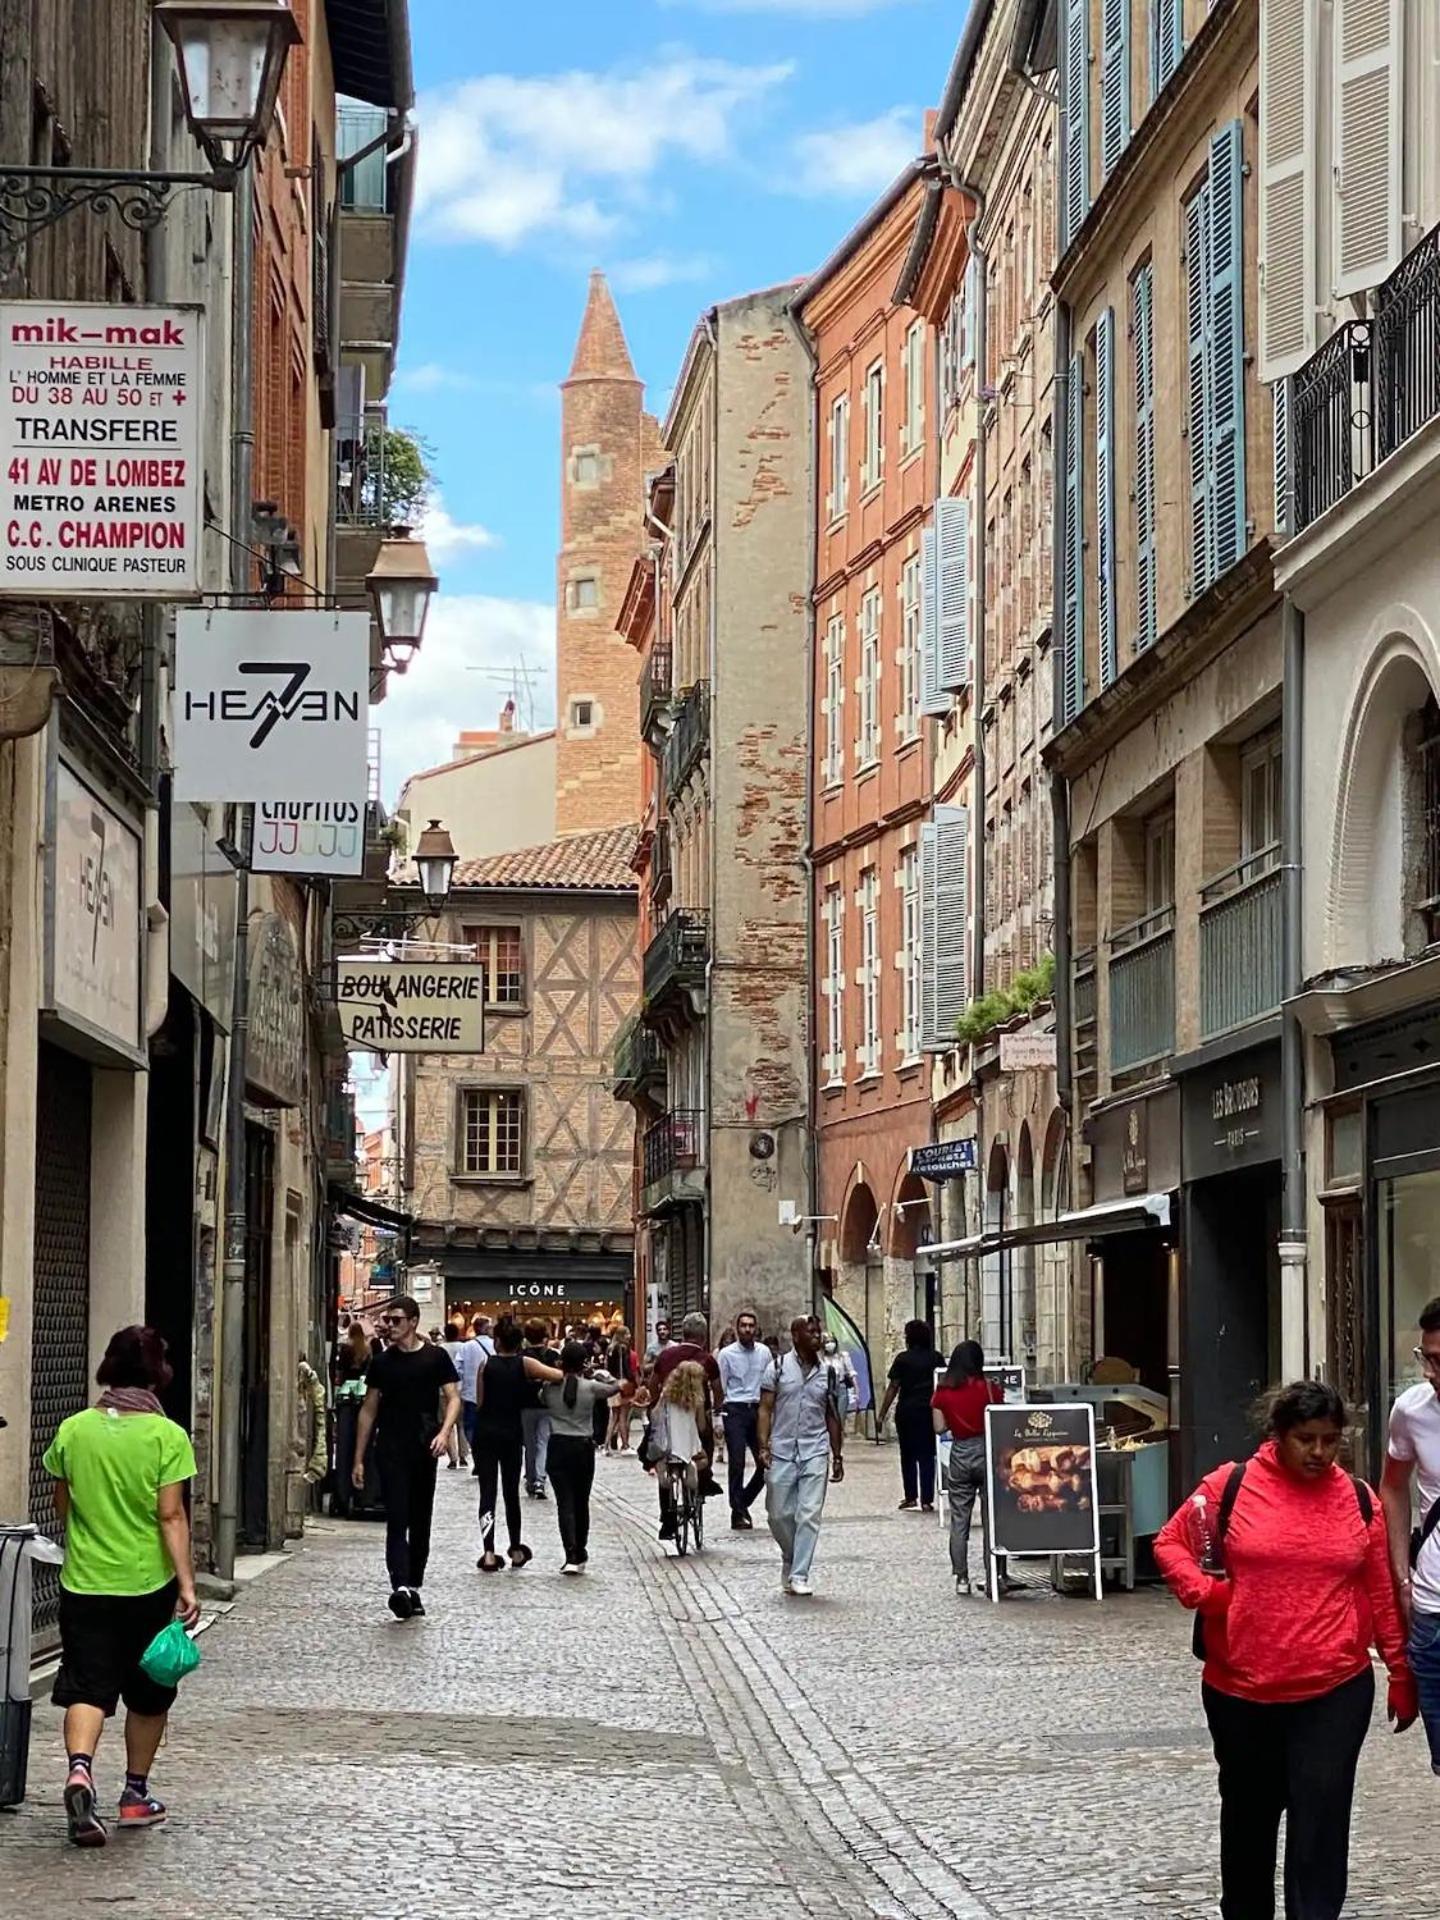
115, 1465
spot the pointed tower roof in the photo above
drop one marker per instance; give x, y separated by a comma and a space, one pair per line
601, 352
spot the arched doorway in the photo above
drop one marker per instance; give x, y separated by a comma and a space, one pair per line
861, 1286
912, 1228
996, 1291
1065, 1333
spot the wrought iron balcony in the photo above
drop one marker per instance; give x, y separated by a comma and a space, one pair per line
1082, 1021
689, 739
656, 686
360, 499
673, 1145
1240, 943
639, 1061
1142, 991
677, 956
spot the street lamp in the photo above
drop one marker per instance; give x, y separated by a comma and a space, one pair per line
231, 55
435, 862
400, 585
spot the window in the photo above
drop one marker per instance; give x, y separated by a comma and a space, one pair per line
584, 593
1261, 789
950, 341
1142, 333
834, 699
501, 951
867, 734
1167, 41
873, 454
870, 970
585, 467
910, 648
839, 495
910, 952
492, 1132
912, 429
582, 716
1215, 361
834, 989
1160, 862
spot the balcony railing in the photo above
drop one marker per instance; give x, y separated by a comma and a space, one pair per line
1240, 943
360, 497
672, 1145
656, 680
678, 954
639, 1059
1369, 388
1082, 1019
662, 873
689, 739
1142, 991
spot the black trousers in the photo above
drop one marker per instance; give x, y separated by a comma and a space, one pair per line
1297, 1760
916, 1433
498, 1458
407, 1480
742, 1430
572, 1474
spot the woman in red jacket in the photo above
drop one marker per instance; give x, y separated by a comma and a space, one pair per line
1287, 1626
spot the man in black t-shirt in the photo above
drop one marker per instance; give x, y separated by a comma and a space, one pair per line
412, 1401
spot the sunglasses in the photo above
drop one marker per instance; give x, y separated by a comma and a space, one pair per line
393, 1319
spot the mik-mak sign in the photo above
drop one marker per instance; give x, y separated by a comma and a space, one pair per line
101, 470
271, 706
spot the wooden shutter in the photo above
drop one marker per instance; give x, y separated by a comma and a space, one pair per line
1105, 489
944, 925
934, 696
1197, 357
1075, 199
1167, 41
952, 568
1369, 132
1114, 84
1143, 345
1287, 186
929, 903
1072, 509
1225, 288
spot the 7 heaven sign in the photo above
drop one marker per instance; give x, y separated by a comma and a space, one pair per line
100, 459
271, 706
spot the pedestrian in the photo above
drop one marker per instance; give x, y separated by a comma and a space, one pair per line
503, 1391
799, 1430
534, 1419
458, 1452
692, 1346
483, 1328
1284, 1559
569, 1405
958, 1408
120, 1471
412, 1400
658, 1345
469, 1357
1413, 1453
624, 1368
912, 1382
743, 1364
842, 1372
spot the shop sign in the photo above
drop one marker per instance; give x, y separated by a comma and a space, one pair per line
202, 913
1135, 1145
101, 466
944, 1159
271, 706
1040, 1480
93, 961
310, 837
1022, 1051
275, 1051
1232, 1114
412, 1006
1135, 1154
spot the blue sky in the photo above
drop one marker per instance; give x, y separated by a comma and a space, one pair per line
691, 148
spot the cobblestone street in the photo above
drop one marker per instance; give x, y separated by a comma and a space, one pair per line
671, 1737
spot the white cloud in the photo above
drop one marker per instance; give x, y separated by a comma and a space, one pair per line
861, 158
439, 696
445, 537
431, 377
657, 270
507, 160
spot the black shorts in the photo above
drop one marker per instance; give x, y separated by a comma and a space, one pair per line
102, 1636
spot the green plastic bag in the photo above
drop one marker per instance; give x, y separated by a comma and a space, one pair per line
170, 1656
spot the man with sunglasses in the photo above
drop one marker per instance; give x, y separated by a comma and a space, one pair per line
412, 1401
1413, 1453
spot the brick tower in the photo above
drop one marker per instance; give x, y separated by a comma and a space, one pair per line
608, 442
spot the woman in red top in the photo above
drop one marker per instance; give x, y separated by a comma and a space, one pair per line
1287, 1626
957, 1407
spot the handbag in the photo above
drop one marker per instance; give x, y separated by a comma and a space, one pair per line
170, 1656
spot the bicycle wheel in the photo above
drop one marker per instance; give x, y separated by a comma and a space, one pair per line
697, 1519
684, 1518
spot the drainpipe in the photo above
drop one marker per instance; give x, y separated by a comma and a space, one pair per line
977, 254
1294, 1343
1059, 786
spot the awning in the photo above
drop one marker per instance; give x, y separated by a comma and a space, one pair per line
1145, 1211
359, 1206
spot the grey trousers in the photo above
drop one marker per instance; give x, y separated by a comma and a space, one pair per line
965, 1482
535, 1425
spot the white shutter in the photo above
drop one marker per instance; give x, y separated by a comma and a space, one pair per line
934, 696
1369, 142
952, 554
945, 925
1287, 185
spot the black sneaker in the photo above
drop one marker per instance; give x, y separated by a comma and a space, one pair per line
741, 1523
401, 1603
667, 1530
417, 1605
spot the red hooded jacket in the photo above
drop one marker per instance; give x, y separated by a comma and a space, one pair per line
1309, 1584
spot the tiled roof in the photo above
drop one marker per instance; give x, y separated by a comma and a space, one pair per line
588, 862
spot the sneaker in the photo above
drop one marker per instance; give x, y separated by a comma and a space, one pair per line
963, 1588
927, 1506
401, 1604
540, 1494
667, 1530
417, 1605
907, 1506
740, 1523
572, 1566
800, 1586
139, 1810
87, 1829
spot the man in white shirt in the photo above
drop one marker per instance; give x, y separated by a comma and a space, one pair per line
799, 1428
744, 1365
1414, 1452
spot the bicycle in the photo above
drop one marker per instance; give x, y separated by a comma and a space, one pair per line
687, 1505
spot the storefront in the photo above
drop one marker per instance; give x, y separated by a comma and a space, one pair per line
1134, 1148
559, 1285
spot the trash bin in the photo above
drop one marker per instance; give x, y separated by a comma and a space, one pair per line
20, 1548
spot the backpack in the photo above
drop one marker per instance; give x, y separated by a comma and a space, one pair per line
1222, 1526
1419, 1535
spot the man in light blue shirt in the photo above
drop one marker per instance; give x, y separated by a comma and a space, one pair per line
743, 1367
799, 1429
469, 1357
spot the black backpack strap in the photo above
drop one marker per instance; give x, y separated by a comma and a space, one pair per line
1423, 1532
1363, 1500
1227, 1502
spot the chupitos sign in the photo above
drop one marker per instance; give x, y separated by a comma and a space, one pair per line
412, 1006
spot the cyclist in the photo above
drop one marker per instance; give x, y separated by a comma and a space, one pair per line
693, 1346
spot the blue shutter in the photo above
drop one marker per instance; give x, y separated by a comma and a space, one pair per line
1144, 351
1197, 359
1105, 490
1167, 41
1072, 550
1114, 84
1075, 197
1225, 283
952, 558
934, 697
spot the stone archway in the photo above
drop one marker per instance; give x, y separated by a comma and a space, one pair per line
910, 1294
860, 1285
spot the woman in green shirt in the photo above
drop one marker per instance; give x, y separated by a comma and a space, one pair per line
120, 1470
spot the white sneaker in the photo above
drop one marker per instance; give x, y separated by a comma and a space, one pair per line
570, 1567
800, 1585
